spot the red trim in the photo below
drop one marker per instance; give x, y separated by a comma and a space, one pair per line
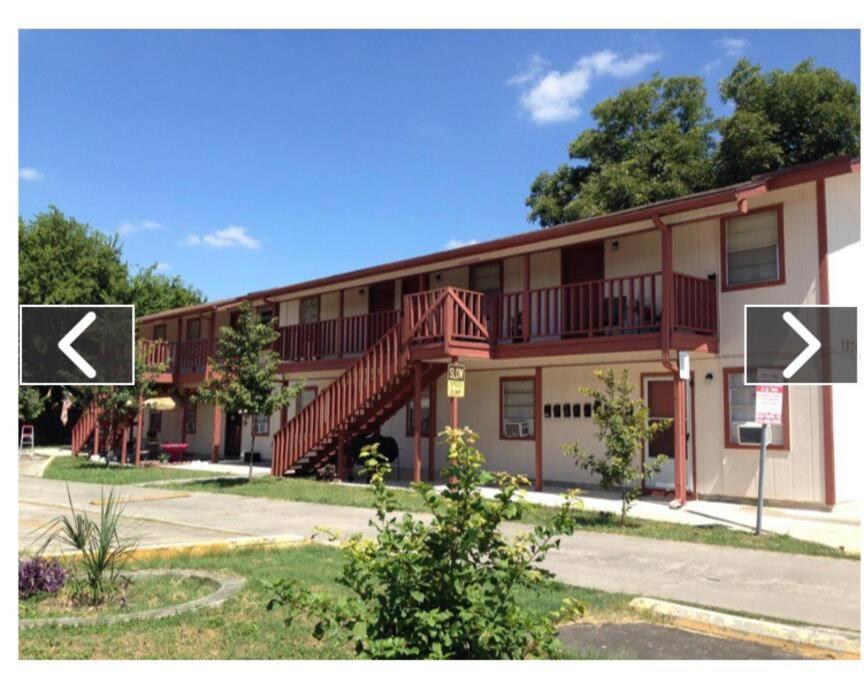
827, 390
781, 253
648, 490
501, 382
728, 443
770, 181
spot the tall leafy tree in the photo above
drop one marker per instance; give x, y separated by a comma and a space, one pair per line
651, 142
62, 261
784, 118
243, 372
152, 292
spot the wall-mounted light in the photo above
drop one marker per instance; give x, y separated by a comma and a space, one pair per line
615, 245
712, 276
437, 276
362, 292
709, 377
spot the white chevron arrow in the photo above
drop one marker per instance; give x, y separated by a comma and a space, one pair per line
65, 344
813, 345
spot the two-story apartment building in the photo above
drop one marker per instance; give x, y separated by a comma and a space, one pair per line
531, 316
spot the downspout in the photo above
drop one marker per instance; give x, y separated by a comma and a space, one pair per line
678, 384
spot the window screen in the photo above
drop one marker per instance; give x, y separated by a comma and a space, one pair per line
517, 409
752, 249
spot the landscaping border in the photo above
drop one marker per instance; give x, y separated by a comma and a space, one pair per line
228, 587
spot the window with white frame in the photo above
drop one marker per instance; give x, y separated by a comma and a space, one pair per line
261, 424
741, 408
753, 245
517, 408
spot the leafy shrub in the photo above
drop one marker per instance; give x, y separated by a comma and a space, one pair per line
103, 552
623, 427
38, 575
443, 589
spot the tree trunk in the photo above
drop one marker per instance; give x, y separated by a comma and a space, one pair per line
252, 452
623, 511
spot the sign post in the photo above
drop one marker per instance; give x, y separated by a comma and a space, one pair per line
455, 389
769, 410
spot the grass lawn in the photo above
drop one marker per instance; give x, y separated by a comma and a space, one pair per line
82, 469
311, 491
142, 593
242, 628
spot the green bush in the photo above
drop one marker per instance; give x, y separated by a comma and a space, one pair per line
442, 589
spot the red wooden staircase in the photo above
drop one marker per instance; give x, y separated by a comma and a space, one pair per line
85, 427
434, 325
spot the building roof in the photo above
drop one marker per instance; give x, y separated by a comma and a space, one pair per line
737, 192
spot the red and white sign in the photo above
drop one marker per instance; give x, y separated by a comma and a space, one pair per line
769, 404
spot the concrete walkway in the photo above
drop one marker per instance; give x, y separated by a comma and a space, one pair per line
810, 589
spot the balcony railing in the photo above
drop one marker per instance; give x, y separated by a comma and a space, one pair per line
177, 357
333, 338
614, 306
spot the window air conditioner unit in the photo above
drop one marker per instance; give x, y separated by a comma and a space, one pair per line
750, 433
515, 430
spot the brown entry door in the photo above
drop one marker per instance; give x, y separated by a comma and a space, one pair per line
382, 299
233, 435
581, 264
659, 397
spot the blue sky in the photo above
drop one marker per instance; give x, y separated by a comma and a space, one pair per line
245, 160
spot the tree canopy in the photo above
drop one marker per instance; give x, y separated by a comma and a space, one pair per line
62, 261
783, 118
658, 140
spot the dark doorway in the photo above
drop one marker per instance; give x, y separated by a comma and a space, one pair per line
582, 264
233, 435
412, 284
382, 297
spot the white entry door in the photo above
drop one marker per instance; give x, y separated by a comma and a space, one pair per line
658, 393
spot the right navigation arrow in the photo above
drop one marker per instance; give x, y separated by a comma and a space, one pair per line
813, 345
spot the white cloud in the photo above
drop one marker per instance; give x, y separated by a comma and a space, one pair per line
529, 71
30, 174
550, 96
128, 227
230, 237
732, 46
713, 64
455, 244
161, 266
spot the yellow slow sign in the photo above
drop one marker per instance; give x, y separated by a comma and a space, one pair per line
455, 380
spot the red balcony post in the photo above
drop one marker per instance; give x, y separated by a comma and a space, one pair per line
139, 430
217, 433
418, 420
433, 428
526, 297
340, 330
538, 429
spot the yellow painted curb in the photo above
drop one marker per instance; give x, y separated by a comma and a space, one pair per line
198, 549
148, 499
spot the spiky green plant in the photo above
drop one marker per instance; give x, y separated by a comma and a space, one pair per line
103, 553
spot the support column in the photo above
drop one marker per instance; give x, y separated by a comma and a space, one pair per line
217, 433
340, 330
96, 437
454, 404
538, 429
433, 429
341, 469
139, 430
124, 445
679, 397
526, 297
418, 421
183, 416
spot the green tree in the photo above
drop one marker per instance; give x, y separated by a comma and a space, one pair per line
243, 372
783, 118
651, 142
62, 261
152, 292
118, 404
445, 589
623, 427
31, 403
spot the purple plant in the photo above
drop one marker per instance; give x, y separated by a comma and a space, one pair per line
39, 575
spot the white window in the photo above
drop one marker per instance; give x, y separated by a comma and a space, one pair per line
517, 408
261, 424
741, 408
753, 245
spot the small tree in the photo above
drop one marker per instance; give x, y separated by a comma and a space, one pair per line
118, 405
445, 589
31, 403
243, 372
623, 427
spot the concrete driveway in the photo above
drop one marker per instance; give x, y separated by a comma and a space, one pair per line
816, 590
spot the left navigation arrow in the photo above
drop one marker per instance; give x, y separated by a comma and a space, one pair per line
65, 344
